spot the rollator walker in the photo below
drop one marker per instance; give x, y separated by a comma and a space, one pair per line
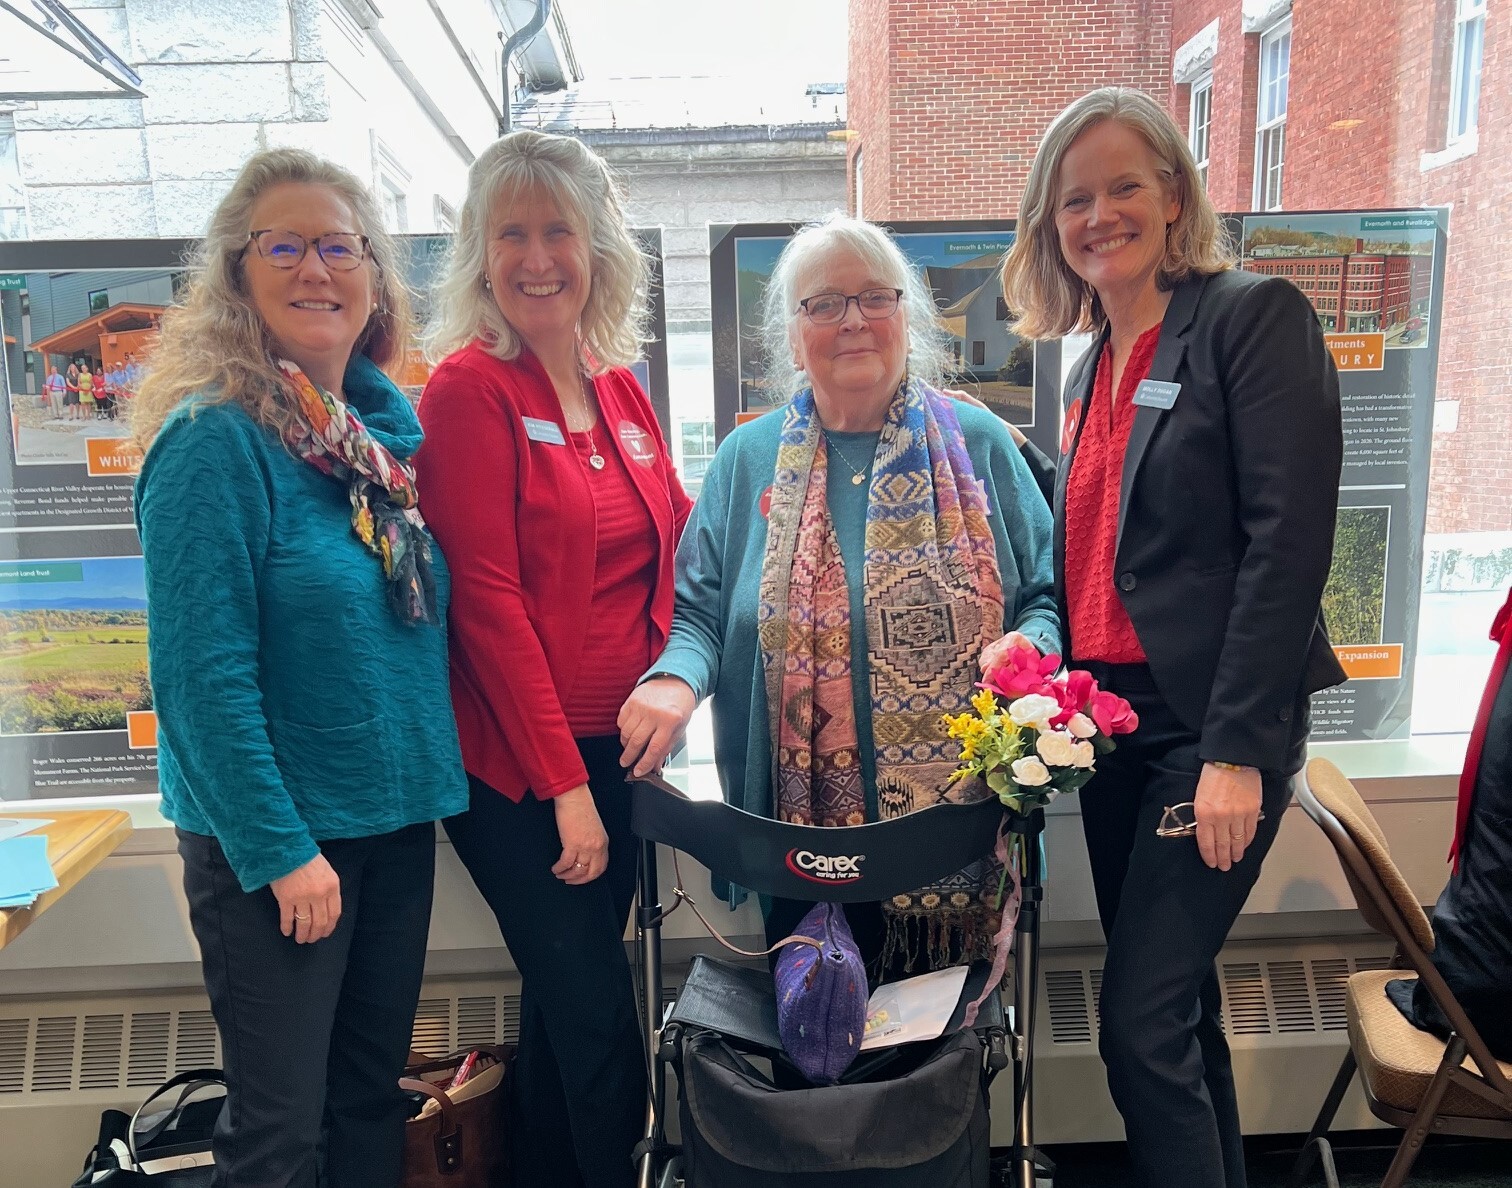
910, 1115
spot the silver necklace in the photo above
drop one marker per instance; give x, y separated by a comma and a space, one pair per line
595, 459
857, 476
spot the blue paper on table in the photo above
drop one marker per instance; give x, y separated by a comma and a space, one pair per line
25, 871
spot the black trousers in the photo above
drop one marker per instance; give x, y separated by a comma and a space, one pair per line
579, 1084
314, 1037
1166, 915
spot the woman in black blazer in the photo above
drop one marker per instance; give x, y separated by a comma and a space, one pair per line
1194, 516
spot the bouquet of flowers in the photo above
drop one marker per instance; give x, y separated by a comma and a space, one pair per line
1035, 731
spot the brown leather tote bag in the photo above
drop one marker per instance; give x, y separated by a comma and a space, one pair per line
459, 1139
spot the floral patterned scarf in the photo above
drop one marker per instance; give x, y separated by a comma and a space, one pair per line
933, 600
385, 505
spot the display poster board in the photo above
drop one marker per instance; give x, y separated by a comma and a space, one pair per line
76, 713
958, 262
1376, 280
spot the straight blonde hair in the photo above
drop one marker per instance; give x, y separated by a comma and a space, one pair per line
1047, 298
617, 314
213, 344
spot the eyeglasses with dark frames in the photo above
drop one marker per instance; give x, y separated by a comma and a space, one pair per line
338, 250
824, 309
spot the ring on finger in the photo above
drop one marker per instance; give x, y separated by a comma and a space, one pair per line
301, 919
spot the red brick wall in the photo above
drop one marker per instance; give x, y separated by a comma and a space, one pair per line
948, 100
1386, 64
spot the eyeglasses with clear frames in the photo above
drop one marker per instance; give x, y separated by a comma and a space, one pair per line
824, 309
338, 250
1180, 820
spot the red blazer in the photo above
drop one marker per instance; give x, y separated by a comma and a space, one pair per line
499, 498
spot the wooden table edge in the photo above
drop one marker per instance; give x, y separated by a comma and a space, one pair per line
69, 865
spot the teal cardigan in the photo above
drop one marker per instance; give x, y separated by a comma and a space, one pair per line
713, 645
293, 704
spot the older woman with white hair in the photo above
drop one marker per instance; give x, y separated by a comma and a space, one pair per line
549, 485
902, 523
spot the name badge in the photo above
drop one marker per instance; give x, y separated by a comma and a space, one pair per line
1156, 394
548, 431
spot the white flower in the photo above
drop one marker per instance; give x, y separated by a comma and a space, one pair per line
1030, 772
1082, 754
1054, 748
1081, 726
1033, 709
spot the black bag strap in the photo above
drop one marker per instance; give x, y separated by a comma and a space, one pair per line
191, 1081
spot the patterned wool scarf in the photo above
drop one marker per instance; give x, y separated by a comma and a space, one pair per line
933, 599
385, 505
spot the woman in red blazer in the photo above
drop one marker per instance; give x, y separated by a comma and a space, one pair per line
548, 484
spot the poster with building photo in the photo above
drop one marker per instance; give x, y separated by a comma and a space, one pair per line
76, 715
958, 263
1376, 281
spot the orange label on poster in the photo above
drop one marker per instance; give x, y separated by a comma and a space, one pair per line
1365, 662
111, 455
141, 730
742, 417
1357, 352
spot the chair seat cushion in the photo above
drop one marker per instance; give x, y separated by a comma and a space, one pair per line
1397, 1061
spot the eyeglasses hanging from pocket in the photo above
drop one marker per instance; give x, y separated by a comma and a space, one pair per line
1180, 820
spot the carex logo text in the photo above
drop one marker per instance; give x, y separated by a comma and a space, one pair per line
825, 868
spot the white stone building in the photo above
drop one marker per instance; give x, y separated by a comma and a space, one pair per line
405, 93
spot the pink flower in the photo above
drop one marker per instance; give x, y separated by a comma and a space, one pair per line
1020, 671
1112, 713
1073, 691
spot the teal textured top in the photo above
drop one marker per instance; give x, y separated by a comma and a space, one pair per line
293, 704
713, 645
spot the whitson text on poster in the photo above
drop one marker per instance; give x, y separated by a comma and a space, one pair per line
1375, 280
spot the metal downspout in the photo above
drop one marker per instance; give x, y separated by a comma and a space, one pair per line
516, 39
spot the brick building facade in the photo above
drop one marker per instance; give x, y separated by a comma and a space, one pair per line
949, 97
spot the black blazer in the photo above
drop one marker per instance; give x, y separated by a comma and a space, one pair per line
1226, 512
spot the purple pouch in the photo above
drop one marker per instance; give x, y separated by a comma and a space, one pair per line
822, 996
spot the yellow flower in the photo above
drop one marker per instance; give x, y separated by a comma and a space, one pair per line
984, 703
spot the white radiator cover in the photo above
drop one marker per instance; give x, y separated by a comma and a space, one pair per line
64, 1059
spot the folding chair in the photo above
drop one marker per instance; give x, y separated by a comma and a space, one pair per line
1411, 1079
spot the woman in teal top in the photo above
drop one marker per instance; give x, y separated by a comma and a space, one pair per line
296, 605
848, 558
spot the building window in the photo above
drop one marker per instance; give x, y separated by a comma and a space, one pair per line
1199, 122
446, 217
1270, 123
395, 206
393, 182
12, 194
1465, 78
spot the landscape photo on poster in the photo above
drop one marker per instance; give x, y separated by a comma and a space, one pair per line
1364, 274
1354, 597
961, 272
73, 645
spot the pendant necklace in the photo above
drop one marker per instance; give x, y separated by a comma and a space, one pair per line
857, 476
595, 459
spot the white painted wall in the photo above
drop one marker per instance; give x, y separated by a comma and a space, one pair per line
225, 78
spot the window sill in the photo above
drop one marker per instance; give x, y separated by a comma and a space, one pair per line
1458, 151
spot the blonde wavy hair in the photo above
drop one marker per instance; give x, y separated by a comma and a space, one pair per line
213, 344
1048, 299
615, 319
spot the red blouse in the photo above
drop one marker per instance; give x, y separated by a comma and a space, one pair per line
1100, 626
514, 509
618, 633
